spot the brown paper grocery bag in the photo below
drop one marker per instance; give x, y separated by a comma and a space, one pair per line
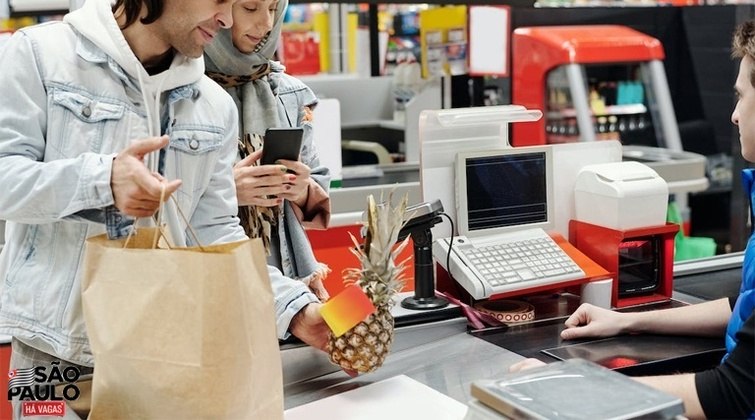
183, 333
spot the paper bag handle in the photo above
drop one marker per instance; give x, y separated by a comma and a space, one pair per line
159, 231
186, 220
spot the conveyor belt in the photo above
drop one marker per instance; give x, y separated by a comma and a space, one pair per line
711, 285
529, 339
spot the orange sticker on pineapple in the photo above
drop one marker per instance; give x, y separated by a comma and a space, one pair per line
347, 309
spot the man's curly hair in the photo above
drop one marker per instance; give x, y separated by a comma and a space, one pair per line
132, 9
743, 44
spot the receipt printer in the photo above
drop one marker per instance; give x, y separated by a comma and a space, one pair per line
621, 196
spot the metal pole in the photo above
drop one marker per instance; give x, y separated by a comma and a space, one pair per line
374, 40
337, 38
578, 88
665, 108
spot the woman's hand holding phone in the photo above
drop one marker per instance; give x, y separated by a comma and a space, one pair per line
297, 186
268, 185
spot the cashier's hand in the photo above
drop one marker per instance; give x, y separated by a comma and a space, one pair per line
269, 185
309, 327
590, 321
525, 364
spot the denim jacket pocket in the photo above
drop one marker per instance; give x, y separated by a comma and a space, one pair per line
195, 141
195, 152
86, 108
75, 115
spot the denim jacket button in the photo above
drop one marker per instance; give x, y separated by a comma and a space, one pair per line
86, 112
194, 144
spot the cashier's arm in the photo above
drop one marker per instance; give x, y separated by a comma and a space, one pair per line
707, 319
682, 386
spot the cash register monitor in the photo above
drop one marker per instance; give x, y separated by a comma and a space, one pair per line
505, 208
504, 190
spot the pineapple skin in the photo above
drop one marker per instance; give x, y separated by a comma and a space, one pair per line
364, 347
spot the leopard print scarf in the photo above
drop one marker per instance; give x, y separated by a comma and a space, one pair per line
231, 81
258, 112
257, 221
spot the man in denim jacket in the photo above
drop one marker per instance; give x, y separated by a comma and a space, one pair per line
98, 114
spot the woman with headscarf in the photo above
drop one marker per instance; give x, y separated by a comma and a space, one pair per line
276, 202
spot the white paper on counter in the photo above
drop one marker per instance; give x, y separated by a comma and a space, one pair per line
396, 398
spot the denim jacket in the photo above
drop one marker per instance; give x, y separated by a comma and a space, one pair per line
297, 259
68, 106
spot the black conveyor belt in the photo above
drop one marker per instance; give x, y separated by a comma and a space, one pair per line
712, 285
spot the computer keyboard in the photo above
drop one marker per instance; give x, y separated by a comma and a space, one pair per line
502, 264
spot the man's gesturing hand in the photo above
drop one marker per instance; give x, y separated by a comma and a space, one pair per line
136, 190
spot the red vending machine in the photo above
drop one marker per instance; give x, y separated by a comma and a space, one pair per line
592, 83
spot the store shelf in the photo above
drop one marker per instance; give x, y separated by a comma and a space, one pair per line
629, 109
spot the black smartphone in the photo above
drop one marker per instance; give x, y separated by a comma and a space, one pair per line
281, 143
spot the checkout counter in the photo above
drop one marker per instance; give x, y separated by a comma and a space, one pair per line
442, 352
447, 357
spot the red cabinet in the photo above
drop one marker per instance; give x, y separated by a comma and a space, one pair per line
641, 260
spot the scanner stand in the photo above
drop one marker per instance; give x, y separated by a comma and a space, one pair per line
419, 228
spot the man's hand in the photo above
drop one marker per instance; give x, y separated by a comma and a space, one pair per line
309, 327
136, 190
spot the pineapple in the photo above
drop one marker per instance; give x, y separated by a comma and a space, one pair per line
365, 347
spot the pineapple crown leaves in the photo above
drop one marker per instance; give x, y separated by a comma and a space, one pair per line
379, 276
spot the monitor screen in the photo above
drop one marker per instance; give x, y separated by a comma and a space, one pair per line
504, 189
